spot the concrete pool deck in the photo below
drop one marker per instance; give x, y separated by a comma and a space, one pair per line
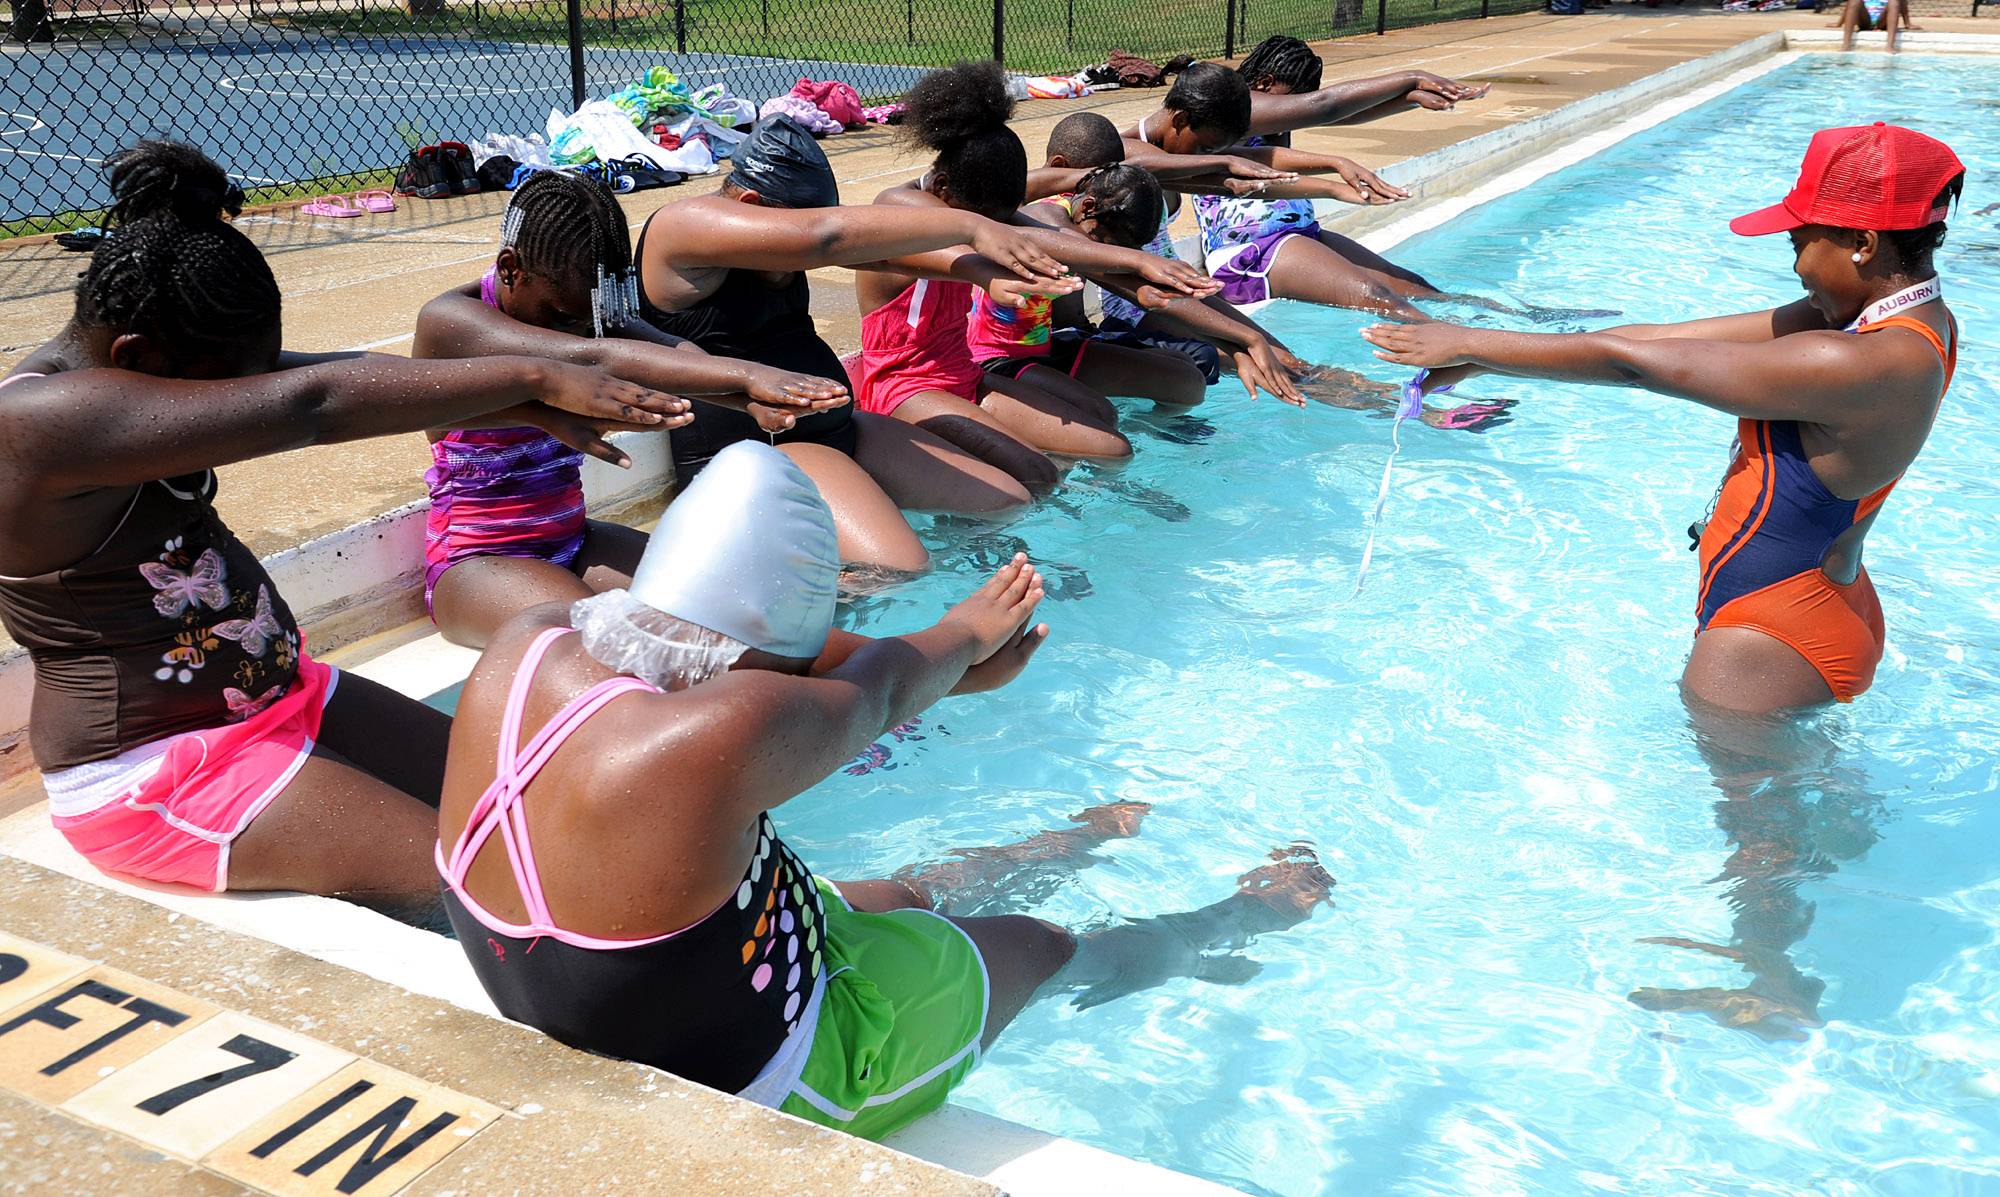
406, 1023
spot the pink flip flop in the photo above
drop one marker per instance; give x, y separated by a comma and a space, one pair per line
375, 201
330, 205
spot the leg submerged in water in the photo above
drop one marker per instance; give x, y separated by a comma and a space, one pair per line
1204, 943
978, 881
1766, 767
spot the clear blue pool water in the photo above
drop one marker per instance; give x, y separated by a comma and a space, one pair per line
1488, 749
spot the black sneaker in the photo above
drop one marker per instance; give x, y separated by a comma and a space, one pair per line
423, 175
455, 164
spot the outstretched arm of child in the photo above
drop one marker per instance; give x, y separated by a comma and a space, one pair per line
1053, 230
139, 427
1166, 166
749, 237
816, 724
1350, 172
458, 324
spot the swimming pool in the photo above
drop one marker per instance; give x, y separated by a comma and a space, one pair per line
1488, 749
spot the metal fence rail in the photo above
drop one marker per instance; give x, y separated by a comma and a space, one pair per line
295, 95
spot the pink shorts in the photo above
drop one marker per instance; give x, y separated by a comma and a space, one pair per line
168, 811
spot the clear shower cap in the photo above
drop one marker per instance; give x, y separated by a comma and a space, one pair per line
623, 634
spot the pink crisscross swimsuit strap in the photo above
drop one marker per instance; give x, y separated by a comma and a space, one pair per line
515, 766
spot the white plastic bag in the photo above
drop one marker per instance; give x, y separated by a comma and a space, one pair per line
600, 131
528, 151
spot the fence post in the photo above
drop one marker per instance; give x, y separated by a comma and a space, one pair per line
1000, 31
1486, 5
1069, 24
680, 27
575, 54
1381, 17
1229, 31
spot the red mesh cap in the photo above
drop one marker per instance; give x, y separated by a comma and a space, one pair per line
1877, 176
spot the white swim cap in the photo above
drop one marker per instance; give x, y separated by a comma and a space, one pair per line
747, 551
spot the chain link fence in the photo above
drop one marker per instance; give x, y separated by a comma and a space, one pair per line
299, 96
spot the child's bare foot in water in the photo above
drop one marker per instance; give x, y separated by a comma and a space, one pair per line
1292, 885
1739, 1009
1114, 820
1204, 944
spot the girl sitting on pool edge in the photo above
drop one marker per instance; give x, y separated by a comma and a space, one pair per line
638, 901
507, 528
184, 734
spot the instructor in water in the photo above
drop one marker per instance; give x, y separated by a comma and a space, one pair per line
1834, 396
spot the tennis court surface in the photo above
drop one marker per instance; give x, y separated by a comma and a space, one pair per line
275, 106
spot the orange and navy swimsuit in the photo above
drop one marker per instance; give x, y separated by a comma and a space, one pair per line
1773, 525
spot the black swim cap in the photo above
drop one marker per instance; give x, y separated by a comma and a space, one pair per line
781, 162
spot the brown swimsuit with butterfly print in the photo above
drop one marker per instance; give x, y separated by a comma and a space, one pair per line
171, 625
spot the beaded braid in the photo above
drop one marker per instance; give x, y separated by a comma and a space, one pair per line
567, 226
1286, 60
171, 268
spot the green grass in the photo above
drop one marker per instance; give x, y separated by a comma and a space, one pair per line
345, 184
1040, 35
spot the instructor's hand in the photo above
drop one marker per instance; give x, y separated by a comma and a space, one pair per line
1431, 344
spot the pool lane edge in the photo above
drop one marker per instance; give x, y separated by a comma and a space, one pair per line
1469, 173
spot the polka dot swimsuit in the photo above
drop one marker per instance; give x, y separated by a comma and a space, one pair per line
711, 1002
783, 945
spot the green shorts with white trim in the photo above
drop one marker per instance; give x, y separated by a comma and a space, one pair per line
899, 1022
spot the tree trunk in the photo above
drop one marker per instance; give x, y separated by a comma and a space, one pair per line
31, 22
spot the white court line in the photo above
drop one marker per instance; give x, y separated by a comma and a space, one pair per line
101, 161
37, 127
44, 154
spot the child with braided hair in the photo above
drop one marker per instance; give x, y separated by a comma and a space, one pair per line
1284, 75
729, 271
1262, 239
184, 735
507, 527
997, 385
